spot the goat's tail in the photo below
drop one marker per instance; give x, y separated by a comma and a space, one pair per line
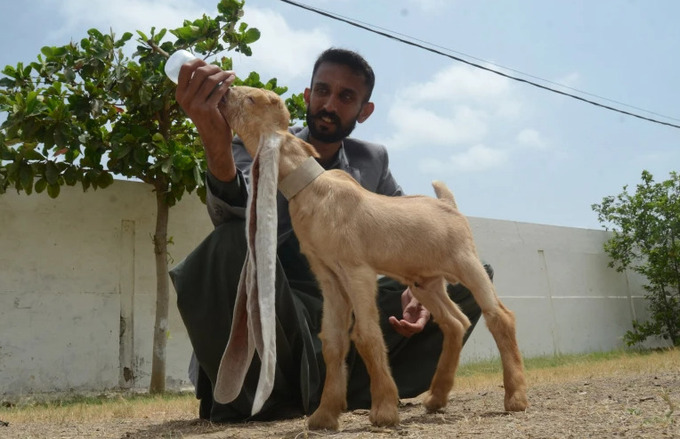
443, 192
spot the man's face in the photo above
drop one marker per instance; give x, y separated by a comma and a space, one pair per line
335, 102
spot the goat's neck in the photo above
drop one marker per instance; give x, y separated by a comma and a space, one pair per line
291, 155
251, 141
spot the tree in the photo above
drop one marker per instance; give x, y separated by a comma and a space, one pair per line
84, 112
646, 238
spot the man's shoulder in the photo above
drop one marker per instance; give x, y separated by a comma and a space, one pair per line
363, 148
295, 130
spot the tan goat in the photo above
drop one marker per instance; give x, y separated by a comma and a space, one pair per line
349, 235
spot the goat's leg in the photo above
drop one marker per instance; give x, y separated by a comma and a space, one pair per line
453, 324
501, 323
368, 339
334, 335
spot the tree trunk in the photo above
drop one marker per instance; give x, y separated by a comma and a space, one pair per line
160, 332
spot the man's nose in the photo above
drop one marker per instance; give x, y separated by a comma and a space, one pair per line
330, 104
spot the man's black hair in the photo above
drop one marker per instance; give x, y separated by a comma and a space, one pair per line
350, 59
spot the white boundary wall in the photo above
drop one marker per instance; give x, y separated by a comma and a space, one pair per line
77, 288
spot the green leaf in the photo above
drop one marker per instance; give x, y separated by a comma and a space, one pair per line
142, 36
139, 131
104, 179
53, 190
167, 165
120, 150
140, 155
40, 185
9, 71
85, 181
69, 74
31, 154
158, 138
124, 39
26, 177
51, 173
70, 176
251, 36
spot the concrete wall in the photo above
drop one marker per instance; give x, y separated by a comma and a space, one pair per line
77, 288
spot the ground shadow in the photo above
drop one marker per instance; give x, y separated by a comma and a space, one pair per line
179, 428
198, 427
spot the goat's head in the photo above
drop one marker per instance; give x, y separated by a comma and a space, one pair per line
253, 113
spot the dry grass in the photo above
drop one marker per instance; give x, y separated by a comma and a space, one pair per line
101, 408
601, 395
558, 369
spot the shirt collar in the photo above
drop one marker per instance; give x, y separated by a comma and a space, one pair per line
340, 160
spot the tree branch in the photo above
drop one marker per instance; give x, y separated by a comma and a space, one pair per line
157, 49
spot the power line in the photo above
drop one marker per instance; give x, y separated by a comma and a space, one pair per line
511, 69
392, 35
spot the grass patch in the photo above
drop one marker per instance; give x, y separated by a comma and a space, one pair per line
558, 361
471, 377
561, 368
78, 408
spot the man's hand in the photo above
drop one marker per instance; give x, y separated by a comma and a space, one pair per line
415, 316
200, 88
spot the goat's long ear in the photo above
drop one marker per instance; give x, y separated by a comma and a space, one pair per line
270, 142
265, 241
254, 321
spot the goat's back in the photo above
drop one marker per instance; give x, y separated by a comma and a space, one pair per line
334, 217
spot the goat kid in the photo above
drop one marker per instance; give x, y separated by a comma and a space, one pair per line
349, 235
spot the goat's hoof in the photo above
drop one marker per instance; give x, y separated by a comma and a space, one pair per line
516, 402
434, 402
387, 416
323, 420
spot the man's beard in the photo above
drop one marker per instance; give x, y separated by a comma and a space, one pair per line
341, 131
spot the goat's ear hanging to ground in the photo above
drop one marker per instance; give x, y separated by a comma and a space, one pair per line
254, 324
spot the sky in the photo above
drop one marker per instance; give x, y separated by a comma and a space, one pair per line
508, 150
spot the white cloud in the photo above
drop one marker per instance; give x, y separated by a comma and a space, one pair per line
429, 5
281, 51
458, 83
125, 15
531, 138
418, 125
457, 108
477, 158
475, 119
571, 80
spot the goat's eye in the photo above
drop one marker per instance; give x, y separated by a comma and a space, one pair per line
251, 99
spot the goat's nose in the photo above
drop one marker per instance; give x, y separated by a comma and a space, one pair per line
225, 97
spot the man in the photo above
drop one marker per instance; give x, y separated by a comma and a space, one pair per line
206, 281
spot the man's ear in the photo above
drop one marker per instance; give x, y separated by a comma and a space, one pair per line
307, 93
366, 111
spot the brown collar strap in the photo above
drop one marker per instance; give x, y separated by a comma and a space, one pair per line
300, 178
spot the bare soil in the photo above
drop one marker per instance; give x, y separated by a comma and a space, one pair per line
636, 405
